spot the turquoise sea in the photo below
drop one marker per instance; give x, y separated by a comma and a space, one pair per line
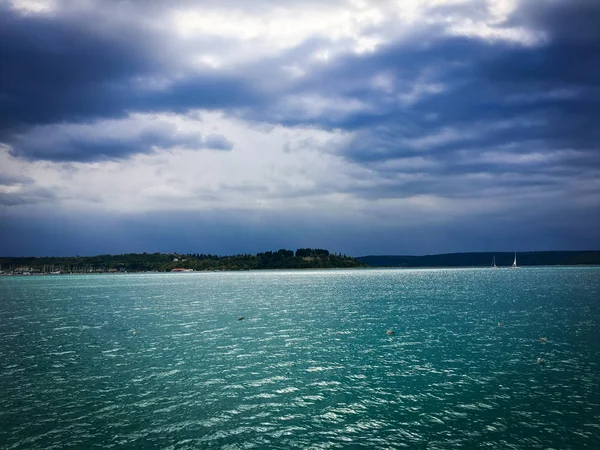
162, 361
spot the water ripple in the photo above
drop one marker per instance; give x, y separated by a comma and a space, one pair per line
145, 361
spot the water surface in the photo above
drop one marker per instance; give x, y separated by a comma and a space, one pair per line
161, 361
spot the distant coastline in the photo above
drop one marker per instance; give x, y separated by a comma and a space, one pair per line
484, 259
305, 258
302, 258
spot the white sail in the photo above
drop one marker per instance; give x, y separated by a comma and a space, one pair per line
514, 264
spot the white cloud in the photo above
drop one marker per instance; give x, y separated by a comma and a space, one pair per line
223, 35
400, 165
257, 171
531, 158
270, 168
252, 33
314, 106
419, 90
444, 136
476, 29
34, 6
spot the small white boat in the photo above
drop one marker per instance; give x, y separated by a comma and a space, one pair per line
514, 264
494, 266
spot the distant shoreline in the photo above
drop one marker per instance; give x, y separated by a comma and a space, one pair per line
285, 260
302, 258
485, 259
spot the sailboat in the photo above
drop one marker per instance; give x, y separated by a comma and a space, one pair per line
514, 264
494, 266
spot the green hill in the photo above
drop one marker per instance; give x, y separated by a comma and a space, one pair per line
302, 258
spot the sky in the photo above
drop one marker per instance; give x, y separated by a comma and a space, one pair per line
235, 126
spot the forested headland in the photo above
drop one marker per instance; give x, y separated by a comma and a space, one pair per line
302, 258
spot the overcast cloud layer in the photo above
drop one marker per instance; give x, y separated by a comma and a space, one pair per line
364, 127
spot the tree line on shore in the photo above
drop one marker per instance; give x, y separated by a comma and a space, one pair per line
302, 258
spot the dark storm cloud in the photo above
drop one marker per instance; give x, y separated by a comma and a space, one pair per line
217, 142
505, 100
10, 179
564, 20
453, 107
85, 144
58, 69
55, 70
28, 195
